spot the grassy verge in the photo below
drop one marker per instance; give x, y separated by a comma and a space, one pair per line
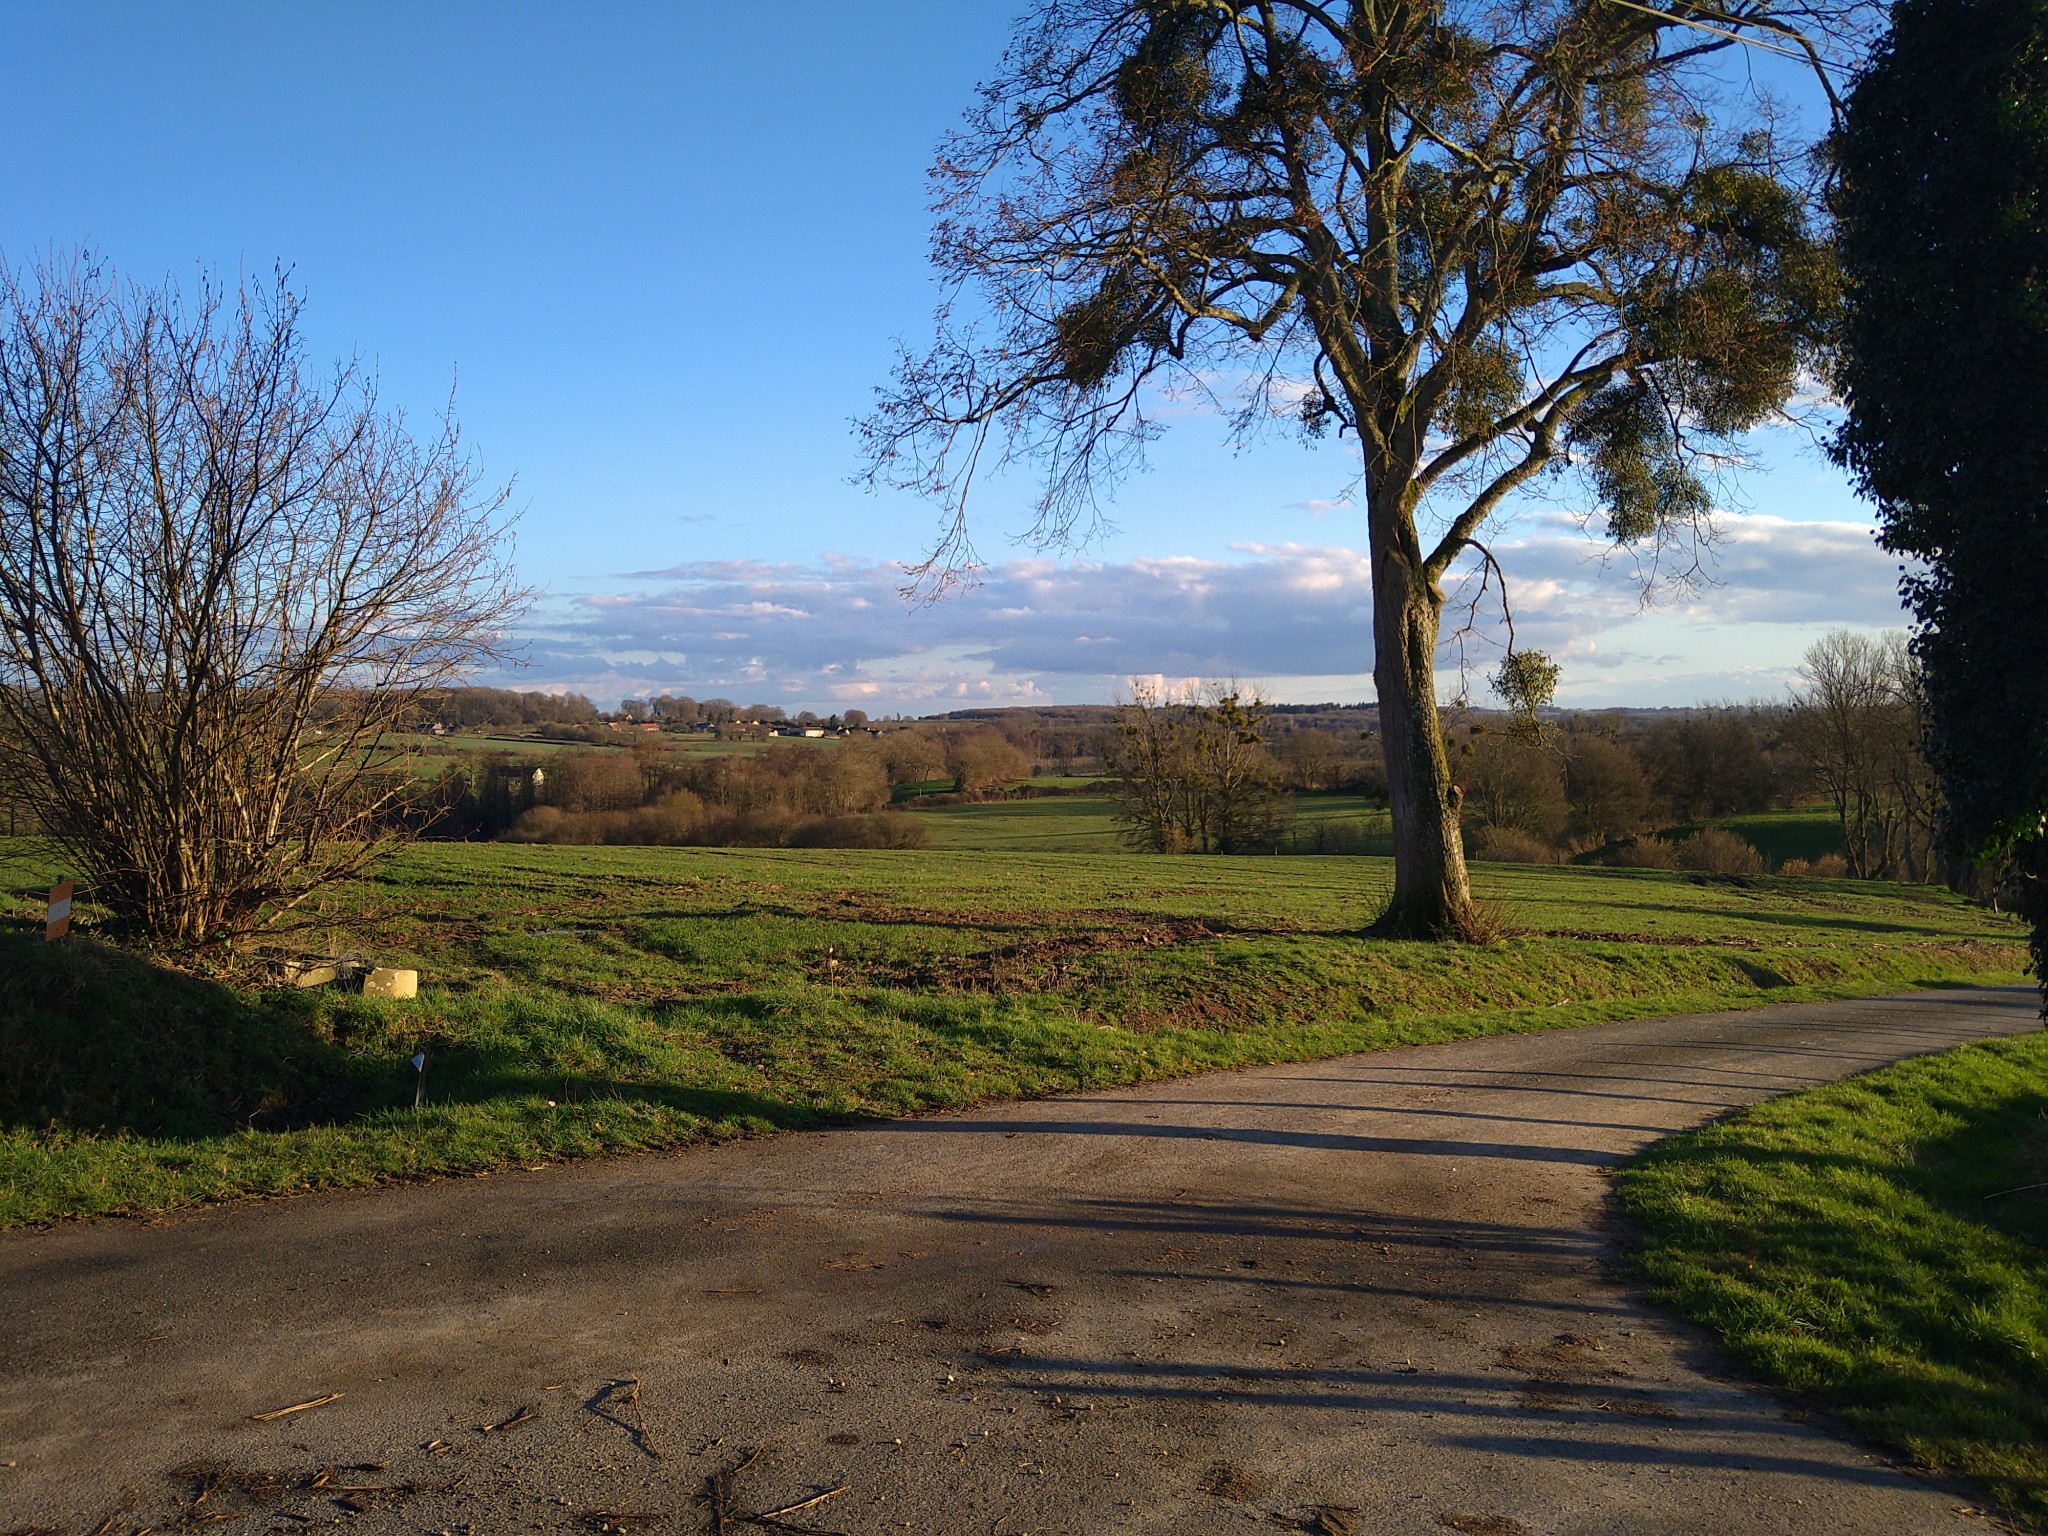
1880, 1246
584, 1000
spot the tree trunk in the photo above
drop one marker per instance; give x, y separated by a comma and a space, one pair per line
1432, 898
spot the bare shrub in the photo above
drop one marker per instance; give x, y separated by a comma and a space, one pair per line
1717, 851
1193, 774
1829, 866
542, 824
671, 821
1511, 783
1644, 853
986, 759
224, 580
885, 830
1510, 845
913, 756
603, 780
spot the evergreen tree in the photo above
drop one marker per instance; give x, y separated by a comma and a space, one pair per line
1943, 230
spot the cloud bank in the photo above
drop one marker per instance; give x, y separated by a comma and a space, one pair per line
1295, 618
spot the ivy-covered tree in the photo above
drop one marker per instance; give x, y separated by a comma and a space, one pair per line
1943, 227
1472, 238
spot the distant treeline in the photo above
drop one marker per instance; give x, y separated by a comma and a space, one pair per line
1208, 773
572, 716
641, 789
1580, 784
794, 796
1597, 784
1851, 734
468, 709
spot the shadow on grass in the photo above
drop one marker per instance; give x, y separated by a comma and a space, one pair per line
1993, 1169
97, 1039
92, 1037
1818, 921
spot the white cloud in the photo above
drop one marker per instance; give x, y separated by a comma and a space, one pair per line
1294, 617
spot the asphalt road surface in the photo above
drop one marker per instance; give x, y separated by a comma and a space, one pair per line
1377, 1295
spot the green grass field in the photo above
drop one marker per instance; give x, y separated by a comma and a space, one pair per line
1068, 824
583, 1000
1880, 1246
1808, 832
1087, 823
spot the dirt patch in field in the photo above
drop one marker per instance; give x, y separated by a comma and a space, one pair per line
1044, 962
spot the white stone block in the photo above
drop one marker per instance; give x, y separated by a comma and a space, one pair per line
388, 981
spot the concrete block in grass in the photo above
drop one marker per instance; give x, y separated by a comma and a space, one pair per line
391, 981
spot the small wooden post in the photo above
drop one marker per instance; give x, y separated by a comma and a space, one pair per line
419, 1086
59, 921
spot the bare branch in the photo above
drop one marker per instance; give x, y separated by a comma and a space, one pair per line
223, 582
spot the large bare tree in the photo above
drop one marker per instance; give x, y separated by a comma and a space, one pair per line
224, 578
1477, 237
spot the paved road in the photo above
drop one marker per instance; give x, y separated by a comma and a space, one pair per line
1384, 1284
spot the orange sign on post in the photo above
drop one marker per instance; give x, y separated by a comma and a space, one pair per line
60, 911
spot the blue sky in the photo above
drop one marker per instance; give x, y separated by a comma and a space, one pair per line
664, 252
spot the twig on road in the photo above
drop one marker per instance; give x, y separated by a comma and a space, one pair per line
718, 1493
287, 1412
624, 1392
790, 1509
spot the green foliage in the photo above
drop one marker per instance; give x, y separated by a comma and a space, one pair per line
1943, 219
1487, 382
1760, 300
1634, 455
582, 1000
1166, 82
1718, 337
1091, 335
1527, 684
1880, 1245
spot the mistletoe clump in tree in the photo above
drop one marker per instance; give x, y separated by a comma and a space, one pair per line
1943, 158
1481, 239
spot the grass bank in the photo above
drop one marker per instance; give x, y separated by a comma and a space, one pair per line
587, 1000
1880, 1246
